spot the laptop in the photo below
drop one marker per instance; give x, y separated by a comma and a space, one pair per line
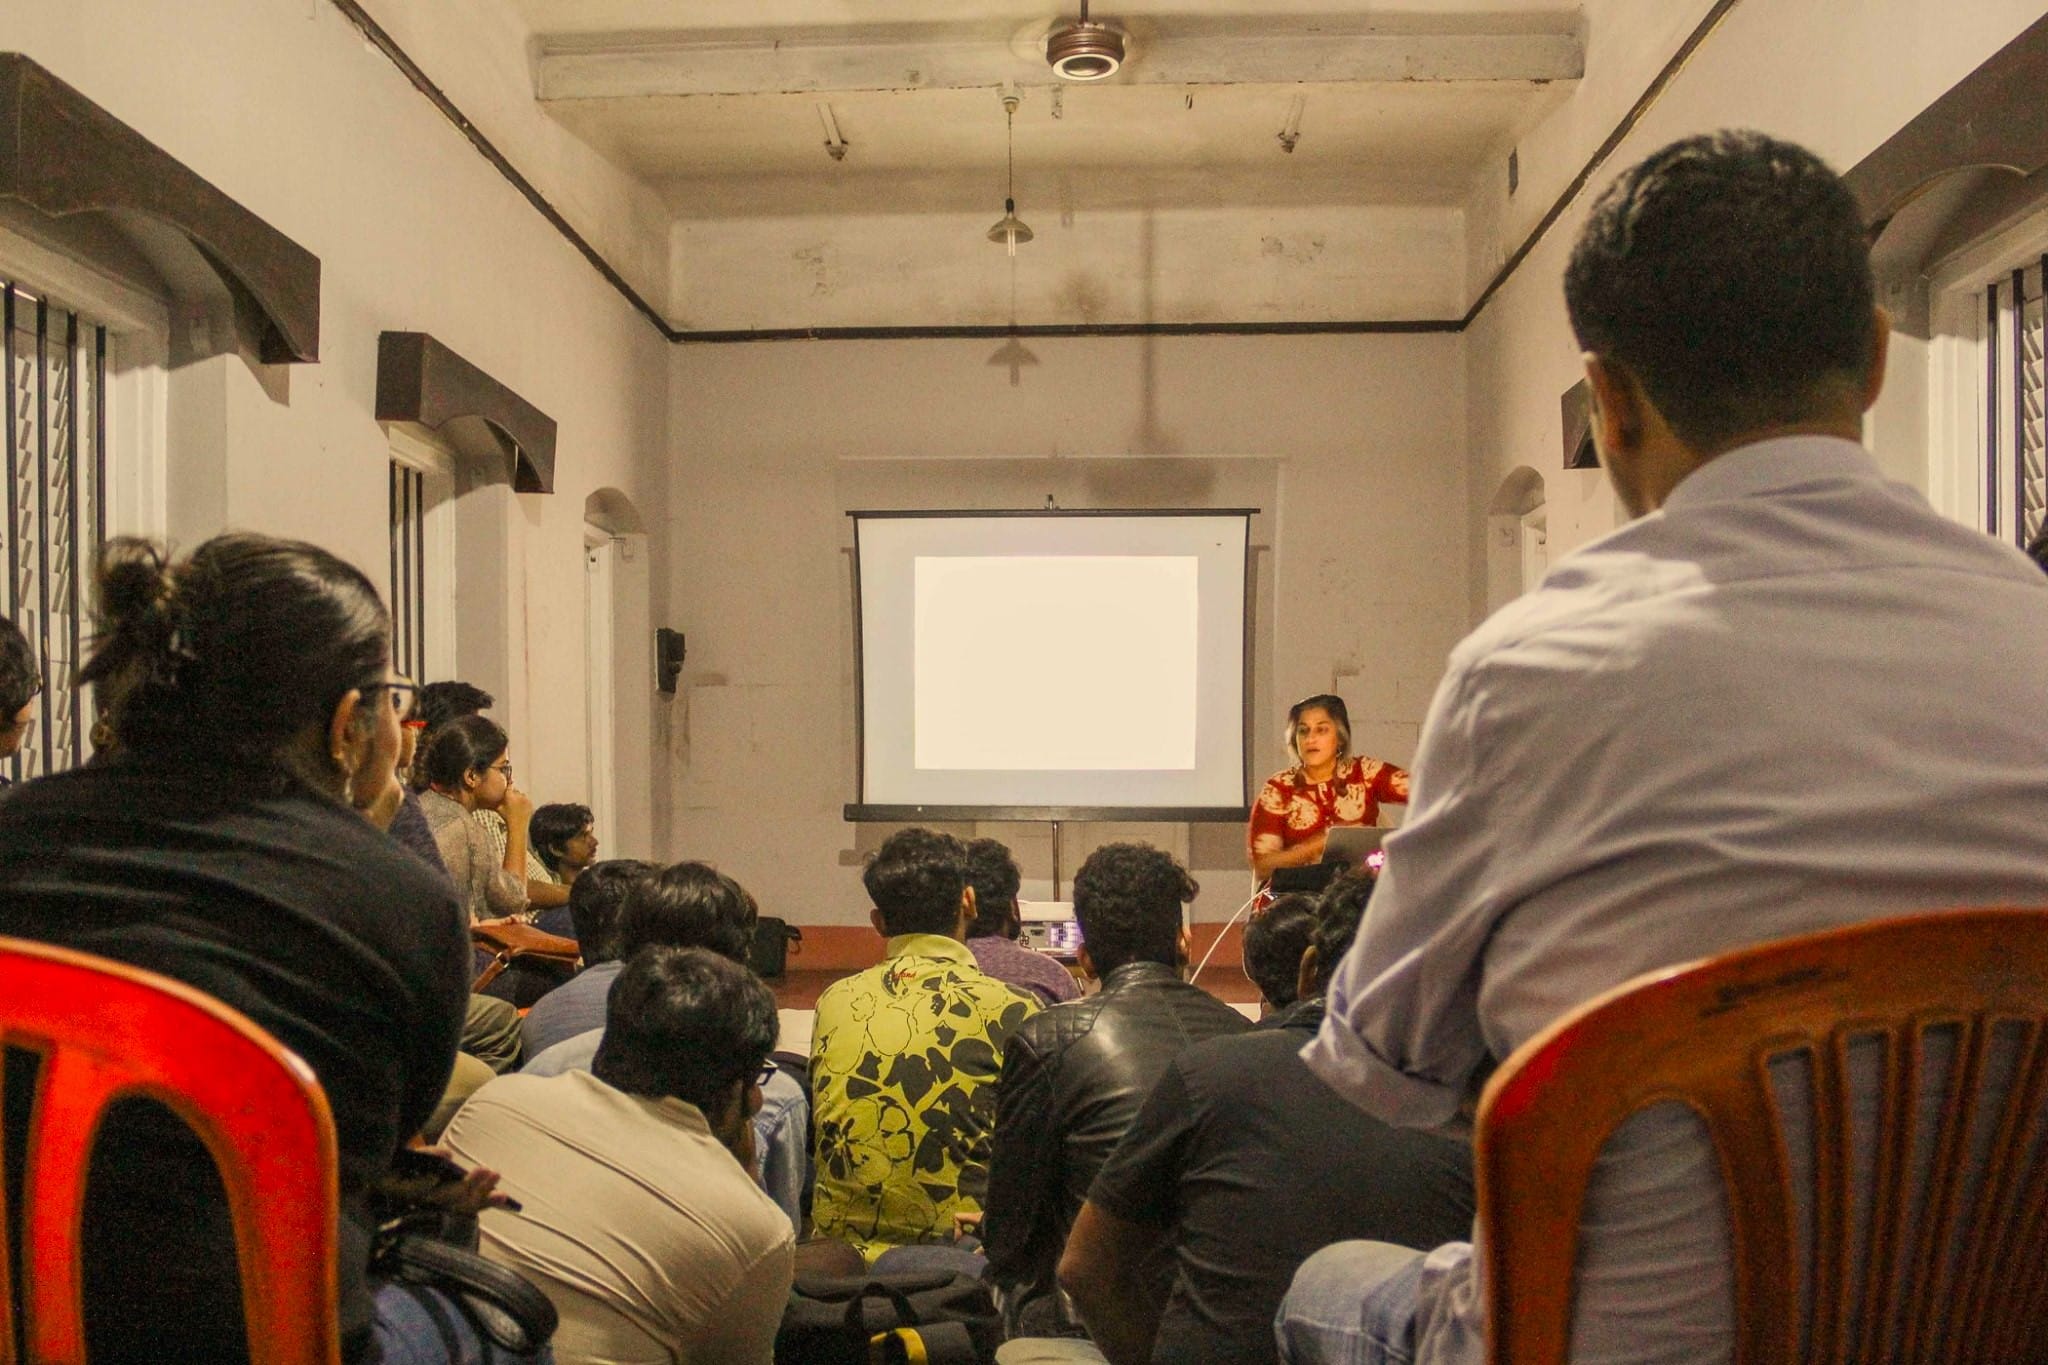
1344, 846
1351, 845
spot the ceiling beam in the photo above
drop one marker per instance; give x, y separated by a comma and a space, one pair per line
831, 61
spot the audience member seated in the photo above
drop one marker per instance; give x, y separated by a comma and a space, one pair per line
469, 769
409, 827
1274, 942
560, 840
688, 905
595, 904
1787, 697
1240, 1164
21, 678
251, 698
440, 703
637, 1213
1073, 1077
992, 938
904, 1060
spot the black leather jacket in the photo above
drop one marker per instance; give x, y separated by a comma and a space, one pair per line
1073, 1078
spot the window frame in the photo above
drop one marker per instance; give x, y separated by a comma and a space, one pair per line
439, 467
1971, 398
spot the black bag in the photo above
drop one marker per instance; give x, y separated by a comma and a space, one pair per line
438, 1251
939, 1316
769, 953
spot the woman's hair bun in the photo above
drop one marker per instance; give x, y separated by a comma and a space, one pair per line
135, 581
138, 599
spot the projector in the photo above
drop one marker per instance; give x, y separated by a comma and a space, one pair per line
1050, 927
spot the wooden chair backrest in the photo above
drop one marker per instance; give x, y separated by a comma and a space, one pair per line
1952, 1263
107, 1032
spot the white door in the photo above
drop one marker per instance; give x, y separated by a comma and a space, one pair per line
1535, 547
600, 560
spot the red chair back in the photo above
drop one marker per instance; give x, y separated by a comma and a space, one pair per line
1933, 1255
108, 1032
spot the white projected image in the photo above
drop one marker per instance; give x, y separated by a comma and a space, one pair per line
1055, 663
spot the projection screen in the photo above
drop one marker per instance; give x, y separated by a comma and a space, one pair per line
1051, 665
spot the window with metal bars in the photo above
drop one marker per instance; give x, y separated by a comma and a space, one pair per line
423, 565
408, 570
56, 454
2015, 444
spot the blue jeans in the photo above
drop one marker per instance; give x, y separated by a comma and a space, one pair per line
1351, 1304
960, 1258
415, 1325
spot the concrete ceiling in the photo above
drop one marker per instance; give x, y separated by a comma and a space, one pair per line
724, 106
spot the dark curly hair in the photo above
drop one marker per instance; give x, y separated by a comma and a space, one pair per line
685, 1023
20, 678
688, 905
597, 899
1274, 943
1128, 898
915, 879
1339, 912
552, 826
1730, 275
993, 874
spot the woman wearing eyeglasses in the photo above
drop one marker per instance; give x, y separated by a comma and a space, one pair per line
229, 838
469, 768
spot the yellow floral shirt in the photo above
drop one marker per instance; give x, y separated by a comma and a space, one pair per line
904, 1062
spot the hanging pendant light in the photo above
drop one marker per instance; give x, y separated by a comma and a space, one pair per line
1010, 230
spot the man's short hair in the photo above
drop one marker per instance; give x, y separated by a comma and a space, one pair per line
1730, 275
1128, 898
993, 874
441, 702
1339, 912
688, 905
915, 879
595, 901
552, 826
684, 1023
1274, 943
20, 677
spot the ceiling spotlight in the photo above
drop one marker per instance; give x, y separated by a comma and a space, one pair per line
1082, 50
1009, 229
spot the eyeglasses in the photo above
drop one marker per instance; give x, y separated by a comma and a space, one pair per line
405, 696
503, 766
768, 1069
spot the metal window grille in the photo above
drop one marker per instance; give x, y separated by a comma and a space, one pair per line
408, 570
2016, 392
56, 454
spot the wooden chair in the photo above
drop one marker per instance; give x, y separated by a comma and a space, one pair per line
107, 1032
508, 941
1956, 1006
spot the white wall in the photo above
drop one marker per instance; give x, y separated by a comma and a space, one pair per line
284, 107
1287, 262
1839, 79
1353, 446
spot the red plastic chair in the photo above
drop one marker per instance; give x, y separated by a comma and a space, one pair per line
1943, 1273
105, 1032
